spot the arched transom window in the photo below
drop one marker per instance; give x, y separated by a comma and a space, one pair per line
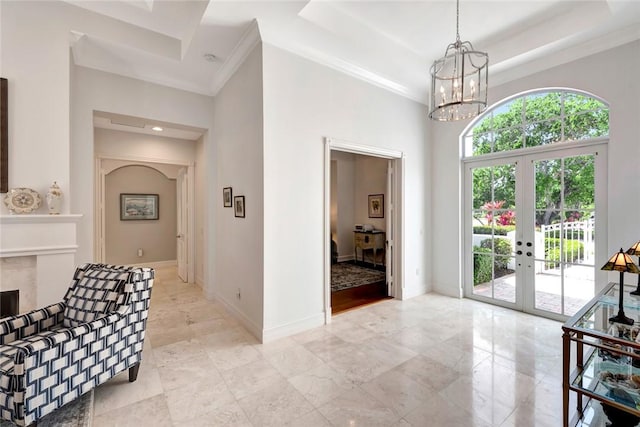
536, 119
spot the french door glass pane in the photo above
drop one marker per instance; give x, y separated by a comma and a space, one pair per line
565, 224
493, 223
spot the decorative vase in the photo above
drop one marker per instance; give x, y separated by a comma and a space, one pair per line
54, 199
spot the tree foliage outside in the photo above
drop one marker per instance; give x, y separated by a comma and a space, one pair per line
530, 121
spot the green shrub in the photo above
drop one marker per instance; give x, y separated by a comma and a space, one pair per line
498, 230
573, 251
482, 265
502, 247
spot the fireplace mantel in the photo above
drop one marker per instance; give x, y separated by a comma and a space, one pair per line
52, 239
24, 235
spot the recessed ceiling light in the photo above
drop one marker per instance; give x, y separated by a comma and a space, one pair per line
157, 128
210, 57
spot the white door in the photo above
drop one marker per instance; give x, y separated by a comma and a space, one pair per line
530, 229
389, 212
181, 237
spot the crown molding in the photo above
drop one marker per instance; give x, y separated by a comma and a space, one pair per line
248, 41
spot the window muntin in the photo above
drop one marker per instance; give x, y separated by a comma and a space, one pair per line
537, 119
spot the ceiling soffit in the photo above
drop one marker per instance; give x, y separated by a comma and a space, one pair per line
389, 44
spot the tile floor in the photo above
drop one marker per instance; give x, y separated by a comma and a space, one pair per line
429, 361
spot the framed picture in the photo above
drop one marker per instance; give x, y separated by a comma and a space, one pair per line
4, 137
227, 197
238, 206
138, 206
376, 205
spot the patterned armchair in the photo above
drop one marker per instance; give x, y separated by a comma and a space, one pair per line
53, 355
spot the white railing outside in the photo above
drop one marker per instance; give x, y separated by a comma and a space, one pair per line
576, 231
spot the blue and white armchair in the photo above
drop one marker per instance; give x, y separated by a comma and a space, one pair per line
53, 355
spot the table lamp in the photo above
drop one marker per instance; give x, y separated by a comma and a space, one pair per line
623, 263
635, 250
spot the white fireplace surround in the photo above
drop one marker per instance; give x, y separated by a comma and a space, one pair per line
52, 239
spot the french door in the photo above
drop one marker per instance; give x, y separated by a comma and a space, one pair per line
531, 228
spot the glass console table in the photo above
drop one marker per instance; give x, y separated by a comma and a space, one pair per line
606, 364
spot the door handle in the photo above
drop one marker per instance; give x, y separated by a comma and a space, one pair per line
179, 236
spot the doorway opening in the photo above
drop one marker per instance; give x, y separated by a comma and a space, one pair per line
363, 187
169, 162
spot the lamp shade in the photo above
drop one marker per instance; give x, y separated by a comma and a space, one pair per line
635, 249
622, 262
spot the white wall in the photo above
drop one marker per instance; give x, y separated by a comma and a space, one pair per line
303, 103
117, 144
371, 178
611, 75
35, 57
239, 242
35, 60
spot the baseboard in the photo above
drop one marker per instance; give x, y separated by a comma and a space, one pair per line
253, 329
292, 328
157, 264
345, 258
410, 292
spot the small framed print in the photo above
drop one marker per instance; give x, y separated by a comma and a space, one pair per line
227, 197
238, 206
376, 205
138, 206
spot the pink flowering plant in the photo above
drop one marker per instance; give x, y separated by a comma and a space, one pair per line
507, 217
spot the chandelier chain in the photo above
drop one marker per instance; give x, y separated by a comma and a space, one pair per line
458, 20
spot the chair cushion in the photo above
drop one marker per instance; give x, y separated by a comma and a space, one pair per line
94, 296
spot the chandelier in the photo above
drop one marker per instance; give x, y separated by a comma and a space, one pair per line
459, 80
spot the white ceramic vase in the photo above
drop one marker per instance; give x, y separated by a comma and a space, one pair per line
54, 199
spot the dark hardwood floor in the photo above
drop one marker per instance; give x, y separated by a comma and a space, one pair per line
358, 296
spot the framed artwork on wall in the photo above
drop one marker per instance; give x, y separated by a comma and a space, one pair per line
227, 198
238, 206
376, 205
4, 137
139, 207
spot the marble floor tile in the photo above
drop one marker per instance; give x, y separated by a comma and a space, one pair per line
176, 375
480, 404
312, 419
385, 350
358, 367
178, 352
328, 347
229, 415
280, 405
151, 411
119, 392
429, 361
294, 361
321, 384
398, 391
439, 412
197, 399
251, 378
428, 372
358, 408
